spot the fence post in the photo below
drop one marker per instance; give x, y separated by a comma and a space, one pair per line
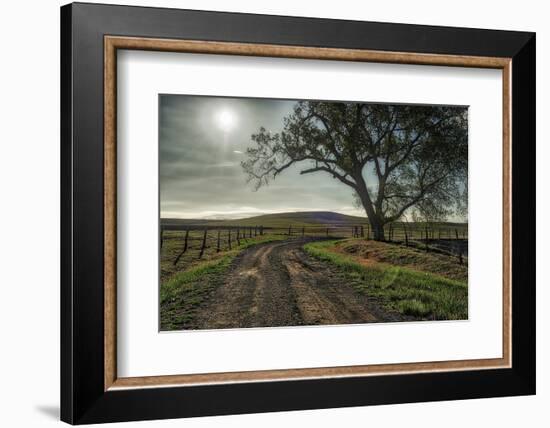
289, 230
184, 247
218, 245
229, 239
186, 239
303, 230
255, 230
327, 232
203, 246
406, 236
456, 233
426, 228
250, 231
161, 236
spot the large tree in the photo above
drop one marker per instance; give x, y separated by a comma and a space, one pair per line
396, 158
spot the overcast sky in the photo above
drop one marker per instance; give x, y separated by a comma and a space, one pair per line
203, 141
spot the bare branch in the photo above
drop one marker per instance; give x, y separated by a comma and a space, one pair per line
341, 177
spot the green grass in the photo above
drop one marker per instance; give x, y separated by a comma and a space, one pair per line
174, 242
183, 294
186, 290
399, 255
410, 292
189, 278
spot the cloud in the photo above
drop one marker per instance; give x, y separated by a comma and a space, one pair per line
200, 176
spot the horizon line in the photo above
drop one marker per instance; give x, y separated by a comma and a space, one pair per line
212, 218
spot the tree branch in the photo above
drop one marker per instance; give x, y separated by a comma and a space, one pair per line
335, 174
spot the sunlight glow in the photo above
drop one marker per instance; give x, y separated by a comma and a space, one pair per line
226, 120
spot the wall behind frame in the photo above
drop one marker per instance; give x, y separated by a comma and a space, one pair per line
29, 173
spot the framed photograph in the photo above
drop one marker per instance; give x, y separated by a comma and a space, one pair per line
267, 213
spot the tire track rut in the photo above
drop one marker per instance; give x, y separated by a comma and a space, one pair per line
277, 284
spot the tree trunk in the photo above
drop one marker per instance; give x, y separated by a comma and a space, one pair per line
377, 225
377, 230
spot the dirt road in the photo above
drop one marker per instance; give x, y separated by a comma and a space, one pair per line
278, 284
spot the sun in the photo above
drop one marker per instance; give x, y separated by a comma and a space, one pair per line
226, 120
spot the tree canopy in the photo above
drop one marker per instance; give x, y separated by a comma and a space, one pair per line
396, 158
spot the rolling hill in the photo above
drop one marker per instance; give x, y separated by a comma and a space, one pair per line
294, 219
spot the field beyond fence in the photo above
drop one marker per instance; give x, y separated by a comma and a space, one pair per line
189, 242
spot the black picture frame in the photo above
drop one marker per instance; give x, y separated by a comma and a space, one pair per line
83, 399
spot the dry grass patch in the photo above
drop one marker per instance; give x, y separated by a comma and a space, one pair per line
399, 255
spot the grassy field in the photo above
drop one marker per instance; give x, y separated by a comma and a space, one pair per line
398, 255
401, 279
173, 245
185, 286
173, 240
410, 281
185, 291
339, 225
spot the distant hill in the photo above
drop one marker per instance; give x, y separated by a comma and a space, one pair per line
311, 218
295, 219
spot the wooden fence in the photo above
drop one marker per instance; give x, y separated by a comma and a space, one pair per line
443, 238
